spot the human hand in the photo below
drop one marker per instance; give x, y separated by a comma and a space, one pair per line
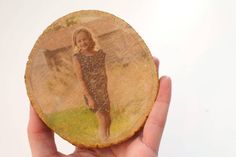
91, 103
144, 144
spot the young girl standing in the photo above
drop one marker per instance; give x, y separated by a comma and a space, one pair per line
89, 66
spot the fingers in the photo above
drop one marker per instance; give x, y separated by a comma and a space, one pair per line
84, 152
156, 61
41, 138
155, 123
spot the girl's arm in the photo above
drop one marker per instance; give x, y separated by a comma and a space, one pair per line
78, 72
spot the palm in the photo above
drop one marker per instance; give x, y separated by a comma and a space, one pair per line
145, 143
133, 147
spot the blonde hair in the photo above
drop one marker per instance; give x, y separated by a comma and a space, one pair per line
75, 34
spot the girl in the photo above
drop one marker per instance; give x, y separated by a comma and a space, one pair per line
89, 66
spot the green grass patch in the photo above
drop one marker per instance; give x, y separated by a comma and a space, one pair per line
81, 124
77, 124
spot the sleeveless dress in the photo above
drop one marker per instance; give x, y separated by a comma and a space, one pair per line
95, 78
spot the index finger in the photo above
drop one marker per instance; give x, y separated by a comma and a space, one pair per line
155, 123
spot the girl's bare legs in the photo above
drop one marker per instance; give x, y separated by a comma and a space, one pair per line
104, 121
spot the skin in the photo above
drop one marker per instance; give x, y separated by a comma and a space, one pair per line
84, 44
145, 143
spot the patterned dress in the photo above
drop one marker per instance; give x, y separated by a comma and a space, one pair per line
95, 78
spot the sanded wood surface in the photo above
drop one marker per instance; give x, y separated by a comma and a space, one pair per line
120, 78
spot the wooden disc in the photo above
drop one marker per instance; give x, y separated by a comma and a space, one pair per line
91, 79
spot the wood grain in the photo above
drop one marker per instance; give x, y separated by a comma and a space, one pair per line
55, 92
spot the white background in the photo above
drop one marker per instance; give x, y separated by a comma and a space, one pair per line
194, 41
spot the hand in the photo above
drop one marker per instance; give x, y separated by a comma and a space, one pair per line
144, 144
91, 103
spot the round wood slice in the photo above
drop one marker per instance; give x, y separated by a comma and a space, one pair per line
93, 98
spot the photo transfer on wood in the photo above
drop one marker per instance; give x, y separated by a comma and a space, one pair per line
91, 79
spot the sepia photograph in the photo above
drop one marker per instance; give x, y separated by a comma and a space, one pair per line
92, 79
